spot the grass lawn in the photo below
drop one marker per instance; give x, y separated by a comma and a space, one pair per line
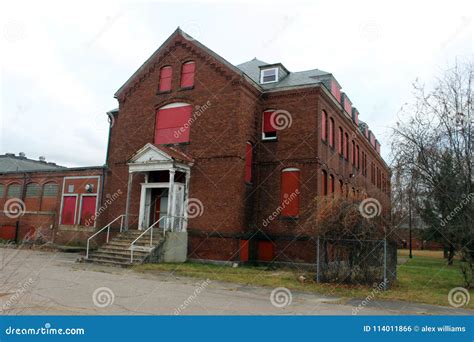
424, 279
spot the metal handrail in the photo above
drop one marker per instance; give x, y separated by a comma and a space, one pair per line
144, 232
108, 232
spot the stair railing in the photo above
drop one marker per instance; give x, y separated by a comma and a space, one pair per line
132, 245
121, 217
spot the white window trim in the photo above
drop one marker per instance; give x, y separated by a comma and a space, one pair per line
261, 75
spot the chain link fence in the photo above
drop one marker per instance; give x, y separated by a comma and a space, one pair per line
362, 262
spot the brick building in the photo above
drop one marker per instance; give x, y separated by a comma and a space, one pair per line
230, 155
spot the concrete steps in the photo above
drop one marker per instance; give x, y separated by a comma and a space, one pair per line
117, 250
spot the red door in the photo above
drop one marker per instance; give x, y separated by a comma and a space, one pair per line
88, 210
69, 210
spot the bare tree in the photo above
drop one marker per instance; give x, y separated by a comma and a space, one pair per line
433, 153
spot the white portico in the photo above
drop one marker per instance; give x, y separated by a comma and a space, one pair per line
165, 190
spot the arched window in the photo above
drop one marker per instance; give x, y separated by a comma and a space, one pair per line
187, 74
50, 190
331, 132
14, 191
331, 184
353, 153
324, 183
248, 162
290, 192
2, 190
324, 132
173, 123
32, 190
166, 74
346, 146
340, 142
341, 187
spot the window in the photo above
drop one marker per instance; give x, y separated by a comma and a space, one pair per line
341, 134
2, 190
346, 146
324, 123
165, 78
269, 75
331, 132
50, 190
331, 184
353, 152
357, 157
248, 162
173, 123
269, 131
187, 74
324, 183
14, 191
341, 187
290, 192
32, 190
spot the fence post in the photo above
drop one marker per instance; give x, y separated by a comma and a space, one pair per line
385, 264
317, 261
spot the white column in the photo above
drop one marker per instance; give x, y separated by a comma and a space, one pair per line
171, 205
185, 198
142, 213
129, 193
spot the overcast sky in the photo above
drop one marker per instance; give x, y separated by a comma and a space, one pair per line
62, 62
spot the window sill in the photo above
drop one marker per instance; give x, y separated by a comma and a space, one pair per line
163, 92
269, 139
186, 88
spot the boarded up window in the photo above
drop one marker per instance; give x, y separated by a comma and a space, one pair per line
187, 74
166, 74
290, 192
50, 190
33, 190
2, 190
14, 191
173, 124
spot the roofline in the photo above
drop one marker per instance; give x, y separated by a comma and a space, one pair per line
64, 169
179, 32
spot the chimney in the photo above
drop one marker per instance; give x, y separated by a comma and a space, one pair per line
42, 159
22, 155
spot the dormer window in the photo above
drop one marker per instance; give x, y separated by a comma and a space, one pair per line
269, 75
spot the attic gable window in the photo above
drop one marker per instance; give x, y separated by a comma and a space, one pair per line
269, 75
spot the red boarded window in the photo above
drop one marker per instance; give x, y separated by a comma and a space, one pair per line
244, 250
346, 146
68, 215
165, 78
248, 162
353, 157
88, 210
187, 74
331, 132
357, 157
173, 124
265, 251
268, 129
324, 182
341, 135
331, 184
324, 133
290, 192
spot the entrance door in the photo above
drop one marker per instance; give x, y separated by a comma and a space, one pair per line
159, 203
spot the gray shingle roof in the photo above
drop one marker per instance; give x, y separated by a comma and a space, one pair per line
12, 163
293, 79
